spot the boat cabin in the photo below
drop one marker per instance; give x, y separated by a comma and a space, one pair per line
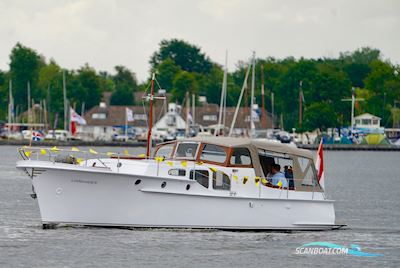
226, 159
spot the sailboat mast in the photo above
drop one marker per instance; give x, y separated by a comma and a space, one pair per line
264, 112
10, 108
187, 100
150, 118
300, 105
65, 101
29, 102
193, 110
253, 77
222, 105
239, 101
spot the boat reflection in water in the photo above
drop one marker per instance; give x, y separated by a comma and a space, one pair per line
193, 183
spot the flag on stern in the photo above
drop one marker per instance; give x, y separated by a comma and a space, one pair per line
319, 165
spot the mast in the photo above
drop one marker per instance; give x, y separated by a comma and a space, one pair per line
273, 109
301, 104
193, 109
187, 99
126, 124
353, 100
10, 108
225, 93
65, 101
45, 114
29, 112
253, 77
352, 106
29, 102
150, 117
47, 107
263, 113
239, 101
222, 106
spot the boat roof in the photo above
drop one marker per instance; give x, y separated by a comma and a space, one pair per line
253, 144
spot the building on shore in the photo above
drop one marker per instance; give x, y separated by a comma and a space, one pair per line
367, 120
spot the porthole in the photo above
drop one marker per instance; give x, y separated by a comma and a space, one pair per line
163, 184
119, 164
137, 182
187, 187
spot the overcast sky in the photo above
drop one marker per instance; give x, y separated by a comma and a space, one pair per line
106, 33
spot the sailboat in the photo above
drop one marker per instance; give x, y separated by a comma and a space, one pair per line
220, 183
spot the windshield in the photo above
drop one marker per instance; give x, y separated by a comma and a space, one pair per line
165, 150
186, 150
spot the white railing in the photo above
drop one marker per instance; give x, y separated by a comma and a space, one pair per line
70, 156
298, 185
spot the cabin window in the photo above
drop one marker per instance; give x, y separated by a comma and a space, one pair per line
240, 156
307, 173
201, 176
186, 150
375, 121
165, 150
213, 153
221, 181
177, 172
282, 161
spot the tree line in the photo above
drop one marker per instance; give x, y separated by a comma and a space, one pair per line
181, 67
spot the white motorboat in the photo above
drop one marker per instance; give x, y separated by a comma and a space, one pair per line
192, 183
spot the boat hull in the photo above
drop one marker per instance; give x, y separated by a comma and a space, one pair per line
83, 197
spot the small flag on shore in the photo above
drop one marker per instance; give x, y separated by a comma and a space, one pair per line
37, 136
129, 115
75, 117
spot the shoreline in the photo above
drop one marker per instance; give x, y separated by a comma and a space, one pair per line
350, 147
75, 143
313, 147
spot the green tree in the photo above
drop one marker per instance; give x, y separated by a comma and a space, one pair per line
125, 85
4, 95
50, 82
87, 88
184, 82
25, 64
122, 96
319, 115
187, 56
287, 93
166, 71
211, 84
